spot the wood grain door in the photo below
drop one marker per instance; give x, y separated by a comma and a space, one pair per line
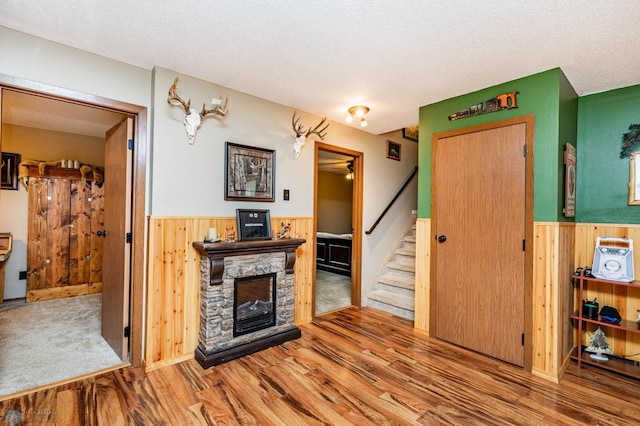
117, 224
479, 212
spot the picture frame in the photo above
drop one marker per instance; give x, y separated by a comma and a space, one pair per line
9, 171
410, 133
570, 181
250, 173
393, 150
253, 224
634, 179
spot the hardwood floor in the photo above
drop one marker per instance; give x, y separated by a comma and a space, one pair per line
356, 366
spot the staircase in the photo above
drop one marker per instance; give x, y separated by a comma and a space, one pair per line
393, 288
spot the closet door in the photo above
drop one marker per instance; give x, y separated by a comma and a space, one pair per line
479, 197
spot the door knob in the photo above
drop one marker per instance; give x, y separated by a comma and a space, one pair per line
442, 238
102, 233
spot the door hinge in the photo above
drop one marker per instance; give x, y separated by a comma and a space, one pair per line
130, 144
128, 238
524, 245
126, 331
522, 338
524, 151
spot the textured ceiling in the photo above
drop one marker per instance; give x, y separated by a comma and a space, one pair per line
322, 57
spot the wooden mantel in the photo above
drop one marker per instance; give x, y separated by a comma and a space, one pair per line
216, 252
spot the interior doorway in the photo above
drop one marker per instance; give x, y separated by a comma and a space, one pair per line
95, 112
338, 228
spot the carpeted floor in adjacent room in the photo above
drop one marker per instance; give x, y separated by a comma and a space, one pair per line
333, 291
46, 342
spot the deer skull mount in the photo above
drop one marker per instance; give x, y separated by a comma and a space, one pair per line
193, 118
301, 137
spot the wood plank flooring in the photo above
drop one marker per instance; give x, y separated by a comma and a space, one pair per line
358, 366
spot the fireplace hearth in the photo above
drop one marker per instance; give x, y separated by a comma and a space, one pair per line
246, 298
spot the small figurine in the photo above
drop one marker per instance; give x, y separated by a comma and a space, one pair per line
284, 232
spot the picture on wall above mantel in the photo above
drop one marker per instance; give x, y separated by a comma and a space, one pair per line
249, 173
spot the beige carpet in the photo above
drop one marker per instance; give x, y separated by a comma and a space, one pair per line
333, 291
45, 342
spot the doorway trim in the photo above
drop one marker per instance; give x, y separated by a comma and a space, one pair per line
139, 115
529, 122
356, 218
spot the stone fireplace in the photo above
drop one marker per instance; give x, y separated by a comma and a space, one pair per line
246, 298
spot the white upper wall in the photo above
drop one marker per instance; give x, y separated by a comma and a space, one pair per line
188, 180
197, 188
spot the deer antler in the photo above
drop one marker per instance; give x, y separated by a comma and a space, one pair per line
174, 99
315, 130
297, 127
220, 107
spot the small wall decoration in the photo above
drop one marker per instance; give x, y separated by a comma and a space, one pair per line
301, 137
634, 179
393, 150
410, 133
192, 117
630, 141
9, 171
500, 102
570, 181
250, 173
253, 224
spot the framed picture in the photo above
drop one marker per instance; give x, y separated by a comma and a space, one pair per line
9, 170
250, 173
253, 224
410, 133
569, 181
393, 150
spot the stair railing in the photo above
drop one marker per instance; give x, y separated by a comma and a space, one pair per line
404, 186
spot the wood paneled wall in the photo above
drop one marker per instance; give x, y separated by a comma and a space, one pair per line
625, 299
423, 278
173, 282
552, 290
553, 257
559, 248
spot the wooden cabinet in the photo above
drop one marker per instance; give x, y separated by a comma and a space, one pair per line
623, 337
64, 252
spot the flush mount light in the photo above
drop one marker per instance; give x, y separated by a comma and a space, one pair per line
359, 113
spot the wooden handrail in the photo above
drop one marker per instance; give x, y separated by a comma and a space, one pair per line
413, 173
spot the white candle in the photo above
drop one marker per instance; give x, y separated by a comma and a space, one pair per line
213, 234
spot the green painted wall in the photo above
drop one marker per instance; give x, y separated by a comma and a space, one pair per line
602, 177
550, 97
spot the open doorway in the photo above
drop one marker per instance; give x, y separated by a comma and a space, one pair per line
58, 128
338, 217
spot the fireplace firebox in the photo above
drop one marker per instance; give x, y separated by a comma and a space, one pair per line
246, 298
254, 303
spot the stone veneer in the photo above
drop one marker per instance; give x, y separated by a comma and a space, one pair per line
217, 304
220, 265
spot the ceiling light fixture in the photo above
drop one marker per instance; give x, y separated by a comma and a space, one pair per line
358, 112
349, 174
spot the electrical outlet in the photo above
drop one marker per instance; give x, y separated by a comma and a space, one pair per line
22, 275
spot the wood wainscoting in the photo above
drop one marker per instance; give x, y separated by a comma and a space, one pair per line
551, 295
625, 299
173, 282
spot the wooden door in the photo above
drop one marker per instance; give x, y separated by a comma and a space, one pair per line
479, 211
117, 224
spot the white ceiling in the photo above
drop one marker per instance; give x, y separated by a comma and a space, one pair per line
322, 57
